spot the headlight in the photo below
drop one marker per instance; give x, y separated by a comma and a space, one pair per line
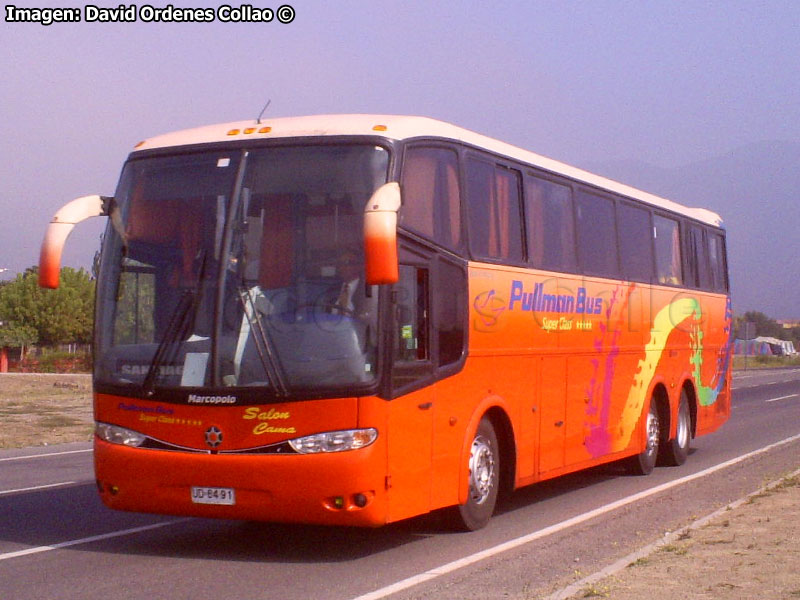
334, 441
118, 435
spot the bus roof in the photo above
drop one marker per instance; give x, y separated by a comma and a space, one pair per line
397, 127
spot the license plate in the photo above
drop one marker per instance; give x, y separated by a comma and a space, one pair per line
213, 495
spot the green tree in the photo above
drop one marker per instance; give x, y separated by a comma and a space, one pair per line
56, 316
765, 326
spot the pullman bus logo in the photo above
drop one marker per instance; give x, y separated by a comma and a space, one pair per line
488, 308
213, 436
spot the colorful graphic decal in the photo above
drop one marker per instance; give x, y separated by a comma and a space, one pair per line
598, 409
665, 322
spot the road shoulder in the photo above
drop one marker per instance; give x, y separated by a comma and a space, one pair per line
750, 548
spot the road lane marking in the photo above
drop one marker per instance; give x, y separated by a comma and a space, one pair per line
87, 540
37, 487
782, 398
27, 456
466, 561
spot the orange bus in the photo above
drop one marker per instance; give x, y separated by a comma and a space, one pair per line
357, 319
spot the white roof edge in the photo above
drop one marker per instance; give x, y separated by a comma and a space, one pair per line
398, 127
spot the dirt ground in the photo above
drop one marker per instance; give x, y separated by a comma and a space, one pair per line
745, 552
44, 409
750, 551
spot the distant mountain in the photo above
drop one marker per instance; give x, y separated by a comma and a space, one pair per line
756, 190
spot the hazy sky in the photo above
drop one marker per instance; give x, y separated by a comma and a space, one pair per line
667, 82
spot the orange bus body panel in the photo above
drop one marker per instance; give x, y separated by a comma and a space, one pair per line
590, 353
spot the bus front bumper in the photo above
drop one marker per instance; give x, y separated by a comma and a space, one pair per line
346, 488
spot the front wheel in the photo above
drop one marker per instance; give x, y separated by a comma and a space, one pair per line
644, 462
484, 480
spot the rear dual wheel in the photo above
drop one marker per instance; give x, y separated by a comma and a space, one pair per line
644, 462
674, 452
666, 452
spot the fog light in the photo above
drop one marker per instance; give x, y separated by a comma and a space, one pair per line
338, 502
360, 500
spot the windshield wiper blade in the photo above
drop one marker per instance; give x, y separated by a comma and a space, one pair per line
175, 331
263, 342
178, 327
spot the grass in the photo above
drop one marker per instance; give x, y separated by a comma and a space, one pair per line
40, 409
765, 362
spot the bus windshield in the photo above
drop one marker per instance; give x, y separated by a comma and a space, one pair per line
240, 268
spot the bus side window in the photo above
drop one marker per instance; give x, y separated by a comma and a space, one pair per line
697, 274
597, 236
668, 250
431, 195
495, 220
719, 269
450, 311
635, 242
551, 230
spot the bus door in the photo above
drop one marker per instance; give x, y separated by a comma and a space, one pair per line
553, 381
410, 428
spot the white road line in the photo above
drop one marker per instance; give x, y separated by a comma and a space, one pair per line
525, 539
87, 540
45, 455
782, 398
36, 487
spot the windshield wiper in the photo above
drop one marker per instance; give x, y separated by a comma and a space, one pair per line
177, 329
262, 341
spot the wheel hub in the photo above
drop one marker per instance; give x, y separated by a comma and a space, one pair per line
481, 469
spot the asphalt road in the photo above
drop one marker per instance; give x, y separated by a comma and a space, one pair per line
58, 541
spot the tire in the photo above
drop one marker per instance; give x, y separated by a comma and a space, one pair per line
644, 462
484, 481
674, 452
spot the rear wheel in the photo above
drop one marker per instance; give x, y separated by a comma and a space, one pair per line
644, 462
484, 480
675, 451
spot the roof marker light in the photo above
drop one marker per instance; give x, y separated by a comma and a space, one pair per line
139, 145
249, 130
379, 128
233, 132
265, 130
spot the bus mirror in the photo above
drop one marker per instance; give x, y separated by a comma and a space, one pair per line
380, 235
59, 229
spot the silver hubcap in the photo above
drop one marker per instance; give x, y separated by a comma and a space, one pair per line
683, 427
652, 433
481, 470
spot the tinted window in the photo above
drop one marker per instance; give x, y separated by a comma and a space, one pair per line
597, 238
431, 199
717, 262
550, 225
697, 274
668, 250
635, 242
493, 196
449, 311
